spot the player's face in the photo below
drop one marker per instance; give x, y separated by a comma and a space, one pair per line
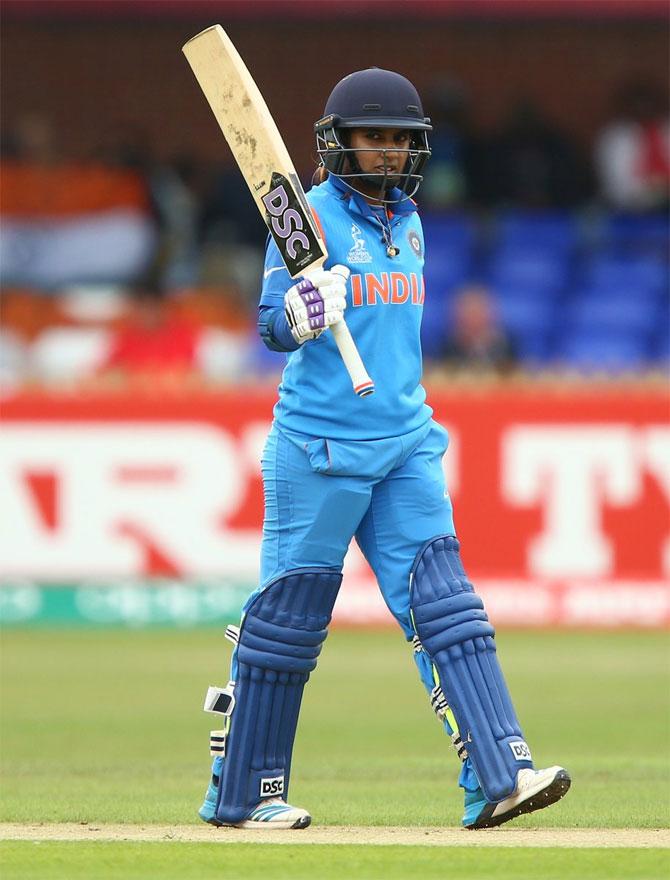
381, 150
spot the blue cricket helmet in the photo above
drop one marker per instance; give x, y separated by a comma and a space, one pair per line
376, 97
373, 98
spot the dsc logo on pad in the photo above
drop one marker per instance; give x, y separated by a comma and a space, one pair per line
520, 751
272, 787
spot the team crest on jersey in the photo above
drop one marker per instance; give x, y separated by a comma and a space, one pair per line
415, 242
358, 253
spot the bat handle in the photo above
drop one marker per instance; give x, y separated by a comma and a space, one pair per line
363, 384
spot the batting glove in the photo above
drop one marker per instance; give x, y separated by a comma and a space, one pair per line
316, 303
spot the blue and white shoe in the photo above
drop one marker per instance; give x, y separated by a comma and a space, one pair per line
535, 790
276, 813
270, 813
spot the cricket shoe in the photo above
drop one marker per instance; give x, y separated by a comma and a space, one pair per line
535, 790
276, 813
270, 813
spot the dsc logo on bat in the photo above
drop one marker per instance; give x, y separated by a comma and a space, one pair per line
286, 221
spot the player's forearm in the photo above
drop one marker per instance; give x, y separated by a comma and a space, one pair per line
274, 329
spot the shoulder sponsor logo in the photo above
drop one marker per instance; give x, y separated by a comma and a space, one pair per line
358, 253
520, 751
272, 787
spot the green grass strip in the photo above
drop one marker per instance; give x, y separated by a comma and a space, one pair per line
57, 860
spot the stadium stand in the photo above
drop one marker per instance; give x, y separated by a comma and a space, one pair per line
570, 295
570, 292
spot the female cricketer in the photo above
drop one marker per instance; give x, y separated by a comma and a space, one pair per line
337, 466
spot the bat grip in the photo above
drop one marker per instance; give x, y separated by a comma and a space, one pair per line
363, 384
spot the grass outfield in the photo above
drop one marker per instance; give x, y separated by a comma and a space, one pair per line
107, 727
198, 861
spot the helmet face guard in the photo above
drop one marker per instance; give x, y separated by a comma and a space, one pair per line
339, 159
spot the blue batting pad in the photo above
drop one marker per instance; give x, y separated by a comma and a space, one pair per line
279, 642
454, 630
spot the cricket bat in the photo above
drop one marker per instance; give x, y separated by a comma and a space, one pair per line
259, 150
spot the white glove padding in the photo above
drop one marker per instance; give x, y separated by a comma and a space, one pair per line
315, 303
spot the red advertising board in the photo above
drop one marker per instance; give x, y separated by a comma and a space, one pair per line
561, 496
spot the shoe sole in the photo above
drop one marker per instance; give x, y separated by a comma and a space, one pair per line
557, 789
303, 822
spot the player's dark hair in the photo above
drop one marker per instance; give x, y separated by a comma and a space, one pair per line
320, 175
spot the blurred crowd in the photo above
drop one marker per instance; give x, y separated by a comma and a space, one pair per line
117, 268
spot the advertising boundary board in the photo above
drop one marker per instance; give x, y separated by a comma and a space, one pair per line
135, 511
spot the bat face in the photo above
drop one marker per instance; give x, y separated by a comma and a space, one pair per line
258, 148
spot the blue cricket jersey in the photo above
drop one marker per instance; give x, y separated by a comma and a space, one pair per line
384, 306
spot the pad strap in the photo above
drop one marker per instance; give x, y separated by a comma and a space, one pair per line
280, 640
450, 621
